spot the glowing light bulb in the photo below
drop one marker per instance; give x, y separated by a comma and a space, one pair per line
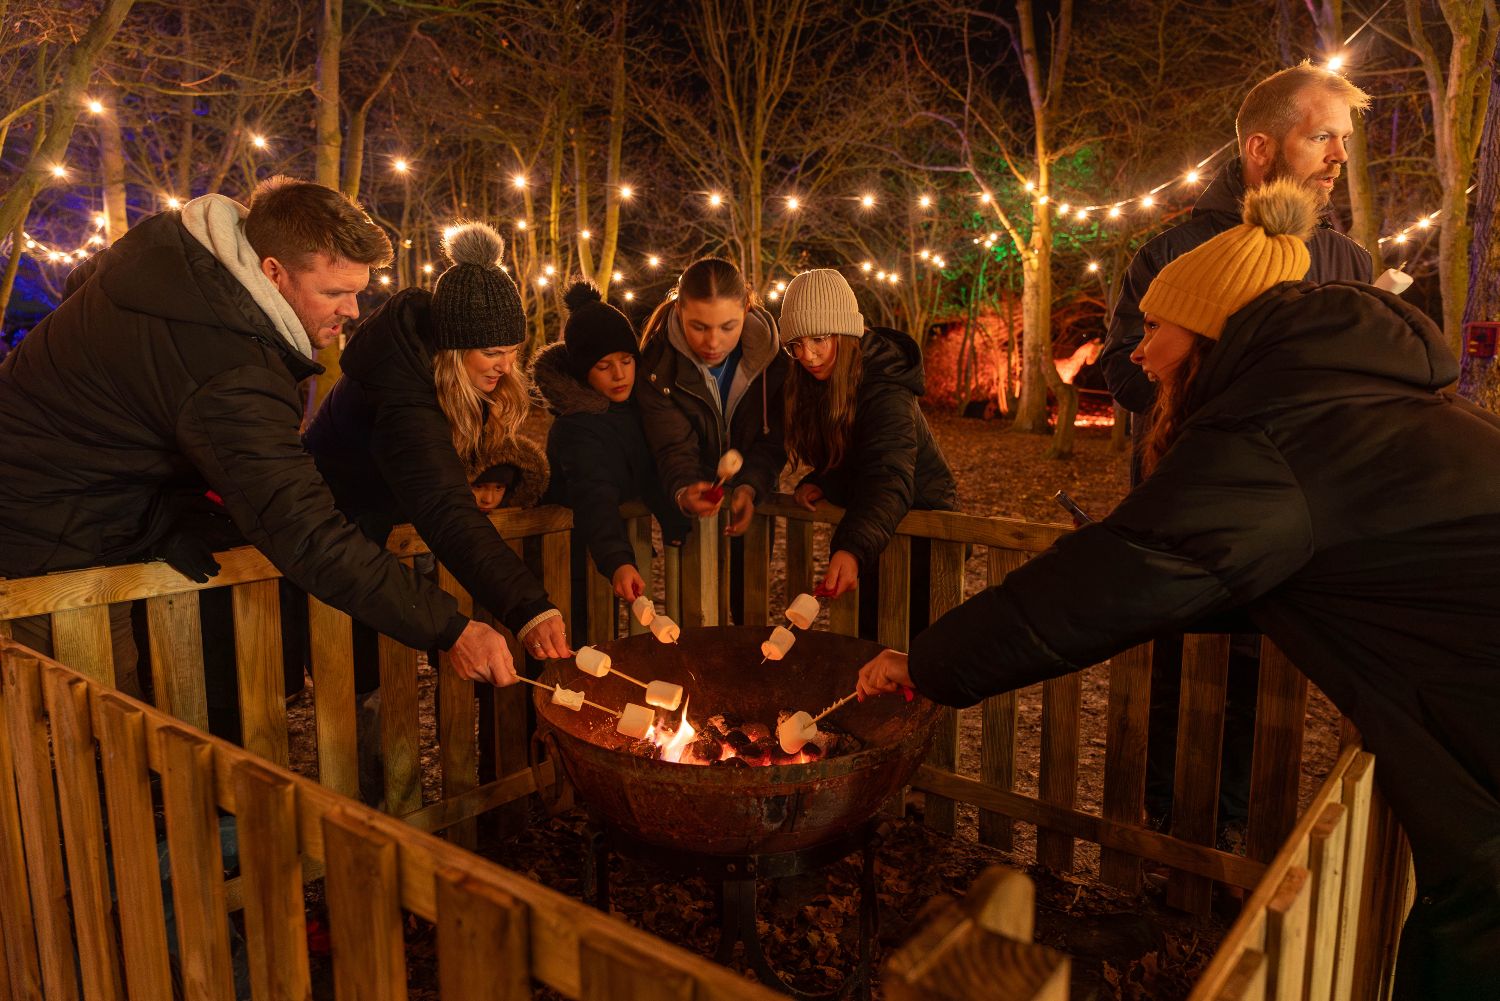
1082, 215
401, 166
258, 141
866, 267
781, 286
1030, 185
893, 278
1114, 211
925, 201
1042, 200
1335, 64
96, 239
30, 244
406, 244
584, 234
549, 271
1192, 177
518, 181
385, 279
1424, 222
101, 220
96, 107
1400, 237
58, 170
653, 261
880, 276
1063, 208
993, 236
715, 199
1147, 202
617, 277
427, 269
924, 254
773, 295
984, 198
449, 232
627, 192
629, 296
868, 201
541, 280
174, 203
793, 203
1093, 267
520, 224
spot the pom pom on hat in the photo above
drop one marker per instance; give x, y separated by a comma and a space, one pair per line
594, 329
475, 304
1200, 290
819, 303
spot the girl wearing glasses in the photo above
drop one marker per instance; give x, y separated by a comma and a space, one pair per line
852, 415
713, 381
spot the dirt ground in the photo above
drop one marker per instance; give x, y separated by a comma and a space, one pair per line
1122, 947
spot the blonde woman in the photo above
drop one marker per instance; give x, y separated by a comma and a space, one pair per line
431, 382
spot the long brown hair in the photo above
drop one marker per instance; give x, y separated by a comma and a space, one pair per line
1168, 411
478, 420
820, 415
706, 279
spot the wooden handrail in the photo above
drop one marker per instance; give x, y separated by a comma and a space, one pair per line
1005, 533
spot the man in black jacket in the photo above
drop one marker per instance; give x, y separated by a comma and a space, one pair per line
171, 370
1292, 124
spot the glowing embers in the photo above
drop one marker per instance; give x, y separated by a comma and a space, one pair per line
728, 741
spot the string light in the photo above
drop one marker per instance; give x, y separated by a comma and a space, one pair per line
617, 277
773, 295
541, 280
259, 141
793, 203
1093, 267
449, 232
866, 266
868, 201
715, 199
653, 261
1335, 64
549, 271
629, 296
401, 166
925, 202
985, 198
1030, 185
1114, 211
1147, 202
96, 107
427, 269
173, 202
385, 279
58, 170
627, 192
520, 224
584, 234
518, 181
781, 286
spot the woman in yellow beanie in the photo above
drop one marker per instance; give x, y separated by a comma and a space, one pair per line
852, 415
1310, 472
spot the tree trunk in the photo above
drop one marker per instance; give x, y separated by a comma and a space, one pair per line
12, 265
327, 147
183, 168
50, 150
112, 163
1484, 252
611, 235
581, 202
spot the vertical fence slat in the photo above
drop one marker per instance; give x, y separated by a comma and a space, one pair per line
610, 970
275, 922
1385, 902
1276, 762
1286, 934
720, 586
1057, 778
81, 639
1125, 759
483, 941
601, 606
998, 722
1248, 980
1359, 784
557, 575
257, 657
364, 911
132, 836
894, 628
457, 711
700, 565
758, 570
176, 644
1200, 738
39, 832
399, 743
331, 633
23, 972
67, 701
843, 613
198, 897
672, 570
640, 541
1326, 844
947, 592
799, 558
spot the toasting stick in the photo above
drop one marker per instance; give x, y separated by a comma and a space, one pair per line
730, 462
800, 613
662, 694
568, 698
635, 721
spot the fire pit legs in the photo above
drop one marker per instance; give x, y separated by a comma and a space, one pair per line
736, 876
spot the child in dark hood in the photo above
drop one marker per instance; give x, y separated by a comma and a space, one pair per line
852, 415
510, 472
597, 447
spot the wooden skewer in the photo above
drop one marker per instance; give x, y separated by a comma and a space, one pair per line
603, 709
617, 671
843, 701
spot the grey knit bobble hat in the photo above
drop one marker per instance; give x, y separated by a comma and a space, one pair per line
475, 304
819, 303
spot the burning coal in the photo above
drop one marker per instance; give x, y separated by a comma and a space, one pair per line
727, 740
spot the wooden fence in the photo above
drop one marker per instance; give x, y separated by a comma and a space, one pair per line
88, 903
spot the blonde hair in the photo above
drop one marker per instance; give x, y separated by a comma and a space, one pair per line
820, 415
1271, 106
477, 420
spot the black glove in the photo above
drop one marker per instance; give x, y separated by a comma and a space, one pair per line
190, 555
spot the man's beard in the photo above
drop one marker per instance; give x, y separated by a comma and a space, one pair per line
1280, 168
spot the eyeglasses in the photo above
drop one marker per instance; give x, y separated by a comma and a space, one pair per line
797, 348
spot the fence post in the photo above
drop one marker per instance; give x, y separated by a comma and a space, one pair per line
331, 636
275, 922
257, 657
757, 570
364, 910
457, 711
176, 647
1125, 759
483, 943
23, 972
700, 575
941, 813
1200, 738
1276, 760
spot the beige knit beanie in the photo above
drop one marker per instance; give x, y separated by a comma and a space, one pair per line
819, 303
1201, 289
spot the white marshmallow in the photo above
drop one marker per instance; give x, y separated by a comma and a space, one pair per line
802, 611
1394, 281
643, 609
591, 661
780, 642
635, 721
567, 698
664, 695
729, 464
665, 629
795, 731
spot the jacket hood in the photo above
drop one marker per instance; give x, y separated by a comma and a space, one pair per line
759, 341
891, 356
1298, 340
386, 350
564, 394
527, 456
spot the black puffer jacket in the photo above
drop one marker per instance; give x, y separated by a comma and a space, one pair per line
893, 466
1324, 484
1335, 257
159, 378
685, 425
385, 447
600, 460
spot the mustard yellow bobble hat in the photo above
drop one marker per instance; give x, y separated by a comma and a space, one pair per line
1204, 287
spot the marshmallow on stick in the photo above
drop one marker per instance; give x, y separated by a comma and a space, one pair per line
664, 629
592, 661
643, 609
802, 611
729, 463
567, 698
635, 721
780, 642
663, 694
794, 732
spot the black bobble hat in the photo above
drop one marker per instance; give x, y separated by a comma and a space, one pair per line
595, 329
475, 304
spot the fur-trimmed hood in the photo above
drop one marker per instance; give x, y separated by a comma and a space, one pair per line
564, 394
523, 453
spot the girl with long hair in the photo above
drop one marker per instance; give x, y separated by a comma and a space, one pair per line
432, 386
712, 375
1314, 474
852, 415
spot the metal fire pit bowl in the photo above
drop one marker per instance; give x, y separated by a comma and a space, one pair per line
722, 810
